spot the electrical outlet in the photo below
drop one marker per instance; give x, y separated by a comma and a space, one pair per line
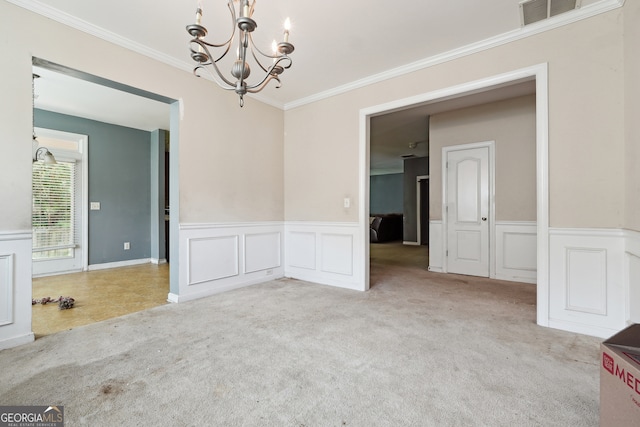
347, 202
127, 246
94, 206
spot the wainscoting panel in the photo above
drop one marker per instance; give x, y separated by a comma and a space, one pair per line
212, 258
219, 257
6, 289
586, 283
325, 253
305, 254
15, 288
262, 251
586, 280
337, 253
516, 246
435, 246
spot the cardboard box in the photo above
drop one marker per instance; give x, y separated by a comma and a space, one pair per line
620, 379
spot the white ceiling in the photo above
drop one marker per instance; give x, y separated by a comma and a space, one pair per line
336, 42
65, 94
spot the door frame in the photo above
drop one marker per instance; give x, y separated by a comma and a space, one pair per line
492, 203
538, 73
419, 178
175, 114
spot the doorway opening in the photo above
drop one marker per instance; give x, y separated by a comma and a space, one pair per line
476, 90
124, 232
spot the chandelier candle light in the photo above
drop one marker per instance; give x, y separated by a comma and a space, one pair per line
274, 64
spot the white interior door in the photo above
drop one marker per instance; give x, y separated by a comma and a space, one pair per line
467, 211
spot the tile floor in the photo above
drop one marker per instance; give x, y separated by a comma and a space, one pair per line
99, 295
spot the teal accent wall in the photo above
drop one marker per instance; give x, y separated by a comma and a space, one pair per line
386, 193
119, 178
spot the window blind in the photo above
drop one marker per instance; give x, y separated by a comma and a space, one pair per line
53, 214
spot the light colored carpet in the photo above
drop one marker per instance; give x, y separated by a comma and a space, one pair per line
418, 349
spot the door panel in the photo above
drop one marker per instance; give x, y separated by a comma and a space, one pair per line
467, 202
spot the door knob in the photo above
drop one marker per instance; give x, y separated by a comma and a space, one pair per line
484, 218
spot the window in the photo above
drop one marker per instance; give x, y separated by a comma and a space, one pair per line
59, 219
54, 209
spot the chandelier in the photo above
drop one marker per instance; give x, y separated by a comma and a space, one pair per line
272, 65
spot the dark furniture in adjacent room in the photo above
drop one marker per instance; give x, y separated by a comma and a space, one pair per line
385, 227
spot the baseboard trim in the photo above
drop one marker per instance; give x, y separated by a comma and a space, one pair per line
173, 298
158, 261
518, 279
16, 341
579, 328
117, 264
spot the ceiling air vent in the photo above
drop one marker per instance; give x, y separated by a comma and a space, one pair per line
536, 10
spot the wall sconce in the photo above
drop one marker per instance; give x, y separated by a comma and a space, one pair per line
42, 154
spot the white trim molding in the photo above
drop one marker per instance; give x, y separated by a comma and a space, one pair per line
325, 252
470, 49
117, 264
216, 258
489, 43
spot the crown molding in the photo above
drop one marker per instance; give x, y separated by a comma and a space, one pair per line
521, 33
94, 30
470, 49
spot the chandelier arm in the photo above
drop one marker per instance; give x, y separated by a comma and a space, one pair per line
231, 85
204, 45
277, 58
285, 58
258, 87
255, 48
271, 75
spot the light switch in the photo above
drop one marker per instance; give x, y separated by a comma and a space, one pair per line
347, 202
95, 206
